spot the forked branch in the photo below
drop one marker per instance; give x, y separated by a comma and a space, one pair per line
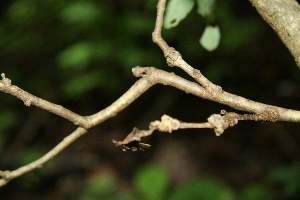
150, 76
207, 89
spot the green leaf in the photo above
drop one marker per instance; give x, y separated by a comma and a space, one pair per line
80, 12
76, 56
210, 38
204, 189
152, 182
176, 11
205, 7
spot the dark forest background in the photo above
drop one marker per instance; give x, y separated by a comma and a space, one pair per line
79, 54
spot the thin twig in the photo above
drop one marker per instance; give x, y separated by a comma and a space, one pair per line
216, 93
272, 113
174, 58
140, 86
156, 35
85, 122
7, 176
29, 99
218, 122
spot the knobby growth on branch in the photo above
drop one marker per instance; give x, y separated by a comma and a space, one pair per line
149, 76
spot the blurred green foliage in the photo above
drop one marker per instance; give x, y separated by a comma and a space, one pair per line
288, 178
257, 191
7, 118
71, 48
74, 38
152, 181
205, 188
99, 187
66, 51
26, 156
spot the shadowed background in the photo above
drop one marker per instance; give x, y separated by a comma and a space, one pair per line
79, 54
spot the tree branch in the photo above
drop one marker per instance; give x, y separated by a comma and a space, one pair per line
284, 17
29, 99
151, 76
84, 122
274, 113
218, 122
174, 58
210, 91
125, 100
215, 93
156, 35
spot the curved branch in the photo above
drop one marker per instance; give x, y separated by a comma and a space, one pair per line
237, 102
156, 35
125, 100
29, 99
85, 122
214, 92
174, 58
284, 17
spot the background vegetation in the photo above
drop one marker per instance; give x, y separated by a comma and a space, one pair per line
80, 53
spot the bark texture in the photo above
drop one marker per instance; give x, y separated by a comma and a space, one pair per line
284, 17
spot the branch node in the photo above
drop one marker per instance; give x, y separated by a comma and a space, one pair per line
217, 122
272, 114
216, 90
27, 102
167, 124
140, 71
171, 56
5, 174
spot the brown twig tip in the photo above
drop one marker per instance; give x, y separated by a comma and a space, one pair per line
167, 124
132, 141
5, 174
4, 80
140, 71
